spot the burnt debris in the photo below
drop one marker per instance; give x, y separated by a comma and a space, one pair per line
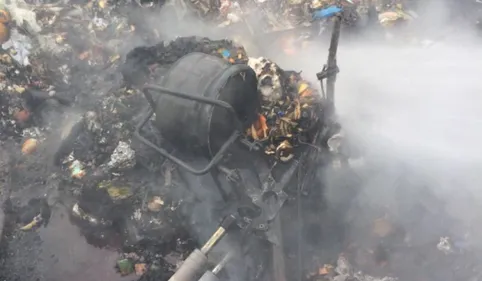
71, 108
97, 160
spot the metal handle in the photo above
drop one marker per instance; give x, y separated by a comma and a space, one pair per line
162, 90
217, 157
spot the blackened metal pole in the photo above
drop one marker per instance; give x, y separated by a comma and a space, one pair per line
332, 67
196, 262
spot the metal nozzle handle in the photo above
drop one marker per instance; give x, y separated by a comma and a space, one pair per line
220, 232
222, 263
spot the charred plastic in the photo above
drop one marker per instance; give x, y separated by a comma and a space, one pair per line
201, 127
205, 106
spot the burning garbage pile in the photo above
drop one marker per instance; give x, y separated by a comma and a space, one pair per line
289, 109
70, 106
68, 120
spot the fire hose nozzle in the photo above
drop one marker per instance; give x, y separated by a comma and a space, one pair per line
197, 261
220, 232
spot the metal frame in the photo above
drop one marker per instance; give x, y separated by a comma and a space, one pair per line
217, 157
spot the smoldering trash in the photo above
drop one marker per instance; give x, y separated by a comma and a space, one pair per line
70, 106
78, 183
289, 104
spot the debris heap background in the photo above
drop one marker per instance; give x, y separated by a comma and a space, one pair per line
413, 113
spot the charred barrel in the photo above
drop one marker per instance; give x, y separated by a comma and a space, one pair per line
200, 127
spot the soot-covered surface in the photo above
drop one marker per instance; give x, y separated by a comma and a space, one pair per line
80, 194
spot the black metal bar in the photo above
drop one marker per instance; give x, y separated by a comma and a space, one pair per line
331, 64
163, 90
214, 161
217, 157
225, 105
215, 175
150, 99
299, 226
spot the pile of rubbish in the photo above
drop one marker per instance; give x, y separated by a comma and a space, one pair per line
69, 106
273, 15
345, 271
389, 16
301, 13
290, 107
294, 24
70, 75
66, 121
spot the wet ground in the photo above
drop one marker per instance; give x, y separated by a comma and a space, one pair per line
57, 252
375, 85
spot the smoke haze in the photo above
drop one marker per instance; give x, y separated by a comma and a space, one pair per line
415, 112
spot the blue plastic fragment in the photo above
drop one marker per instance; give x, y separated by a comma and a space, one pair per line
226, 53
327, 12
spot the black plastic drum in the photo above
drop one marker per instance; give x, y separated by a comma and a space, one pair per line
199, 127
